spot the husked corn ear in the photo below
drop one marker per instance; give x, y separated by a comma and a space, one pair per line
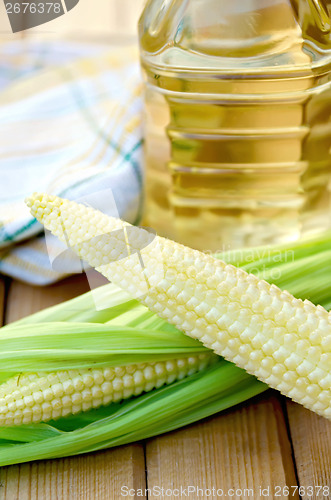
283, 341
40, 397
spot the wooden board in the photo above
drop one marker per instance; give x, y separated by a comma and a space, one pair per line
265, 443
311, 437
243, 450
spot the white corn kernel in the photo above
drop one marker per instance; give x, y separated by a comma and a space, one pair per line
71, 392
216, 298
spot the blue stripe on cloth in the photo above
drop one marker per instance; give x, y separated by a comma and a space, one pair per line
72, 130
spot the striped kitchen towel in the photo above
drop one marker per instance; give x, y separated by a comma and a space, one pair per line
70, 124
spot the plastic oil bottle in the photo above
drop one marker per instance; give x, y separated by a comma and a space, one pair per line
238, 119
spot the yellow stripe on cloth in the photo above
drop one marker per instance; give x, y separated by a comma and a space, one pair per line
70, 129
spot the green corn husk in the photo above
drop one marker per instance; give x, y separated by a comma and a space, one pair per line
76, 335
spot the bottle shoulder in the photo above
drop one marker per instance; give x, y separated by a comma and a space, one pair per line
248, 37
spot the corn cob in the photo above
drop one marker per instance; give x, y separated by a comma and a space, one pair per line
40, 397
283, 341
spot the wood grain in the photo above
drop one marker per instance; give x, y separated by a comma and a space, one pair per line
88, 477
246, 448
311, 438
96, 476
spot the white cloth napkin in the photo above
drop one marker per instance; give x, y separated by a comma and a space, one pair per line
70, 124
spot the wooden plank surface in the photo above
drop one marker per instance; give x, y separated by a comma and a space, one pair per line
311, 438
96, 476
240, 451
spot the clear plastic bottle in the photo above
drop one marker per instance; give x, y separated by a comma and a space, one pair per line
238, 119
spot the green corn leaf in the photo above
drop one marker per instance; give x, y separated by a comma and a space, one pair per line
219, 387
62, 346
77, 334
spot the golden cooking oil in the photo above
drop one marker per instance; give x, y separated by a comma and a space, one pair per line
238, 120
